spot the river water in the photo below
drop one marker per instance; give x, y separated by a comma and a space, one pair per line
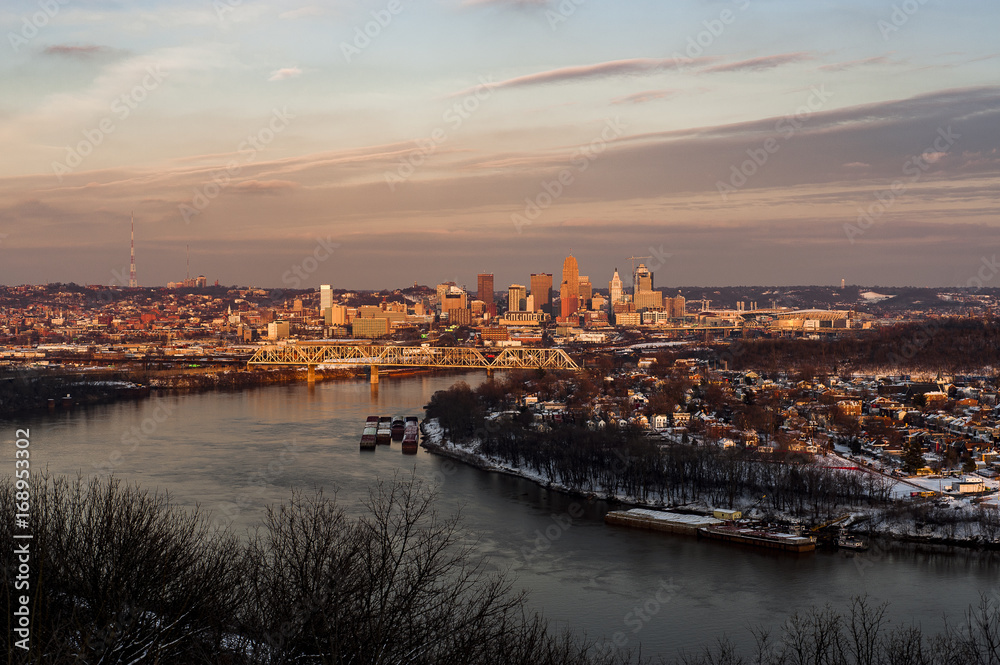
235, 453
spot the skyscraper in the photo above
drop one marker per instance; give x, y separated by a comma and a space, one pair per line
442, 291
569, 290
516, 298
132, 281
643, 279
541, 288
325, 297
616, 288
326, 304
645, 297
484, 288
586, 291
452, 298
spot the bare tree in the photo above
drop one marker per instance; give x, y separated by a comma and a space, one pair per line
117, 576
397, 584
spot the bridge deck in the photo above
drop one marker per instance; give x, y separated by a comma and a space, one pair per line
413, 356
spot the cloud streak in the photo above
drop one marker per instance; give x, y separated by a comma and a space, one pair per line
644, 97
854, 64
613, 68
268, 187
80, 52
760, 64
640, 67
285, 73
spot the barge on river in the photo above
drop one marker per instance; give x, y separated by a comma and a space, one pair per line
411, 436
398, 428
711, 527
658, 520
369, 433
383, 435
759, 537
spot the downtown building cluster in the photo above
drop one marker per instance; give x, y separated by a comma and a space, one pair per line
571, 306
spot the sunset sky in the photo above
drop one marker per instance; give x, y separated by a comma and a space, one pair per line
735, 141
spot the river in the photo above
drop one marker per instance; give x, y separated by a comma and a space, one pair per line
234, 453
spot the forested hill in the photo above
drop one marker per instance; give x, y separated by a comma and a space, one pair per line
946, 345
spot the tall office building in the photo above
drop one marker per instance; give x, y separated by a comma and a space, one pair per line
616, 288
569, 290
586, 291
442, 291
678, 306
484, 288
132, 281
648, 300
643, 279
517, 298
326, 304
336, 316
541, 289
644, 296
454, 298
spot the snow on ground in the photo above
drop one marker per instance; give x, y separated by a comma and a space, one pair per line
943, 484
902, 489
658, 345
905, 486
434, 432
871, 296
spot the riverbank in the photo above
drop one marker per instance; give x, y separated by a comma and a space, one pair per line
920, 523
39, 390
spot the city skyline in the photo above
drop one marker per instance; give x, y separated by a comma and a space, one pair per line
739, 142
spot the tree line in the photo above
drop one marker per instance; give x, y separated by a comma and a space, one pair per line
614, 461
945, 344
119, 577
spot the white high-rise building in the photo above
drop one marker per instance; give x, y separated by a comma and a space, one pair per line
616, 288
325, 297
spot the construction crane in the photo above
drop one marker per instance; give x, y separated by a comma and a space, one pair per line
633, 260
743, 514
824, 525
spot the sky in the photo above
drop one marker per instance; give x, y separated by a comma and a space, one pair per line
385, 143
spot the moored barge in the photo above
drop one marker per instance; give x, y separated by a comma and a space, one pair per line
411, 435
398, 428
659, 520
384, 432
759, 537
369, 433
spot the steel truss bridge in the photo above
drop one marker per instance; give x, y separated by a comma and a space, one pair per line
311, 355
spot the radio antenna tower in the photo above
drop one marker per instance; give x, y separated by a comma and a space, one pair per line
188, 248
132, 283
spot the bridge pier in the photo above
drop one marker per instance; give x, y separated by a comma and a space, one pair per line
374, 374
311, 374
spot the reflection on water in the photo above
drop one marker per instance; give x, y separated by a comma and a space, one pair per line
235, 453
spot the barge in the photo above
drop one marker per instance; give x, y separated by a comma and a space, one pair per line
384, 432
658, 520
411, 435
759, 537
369, 433
398, 428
